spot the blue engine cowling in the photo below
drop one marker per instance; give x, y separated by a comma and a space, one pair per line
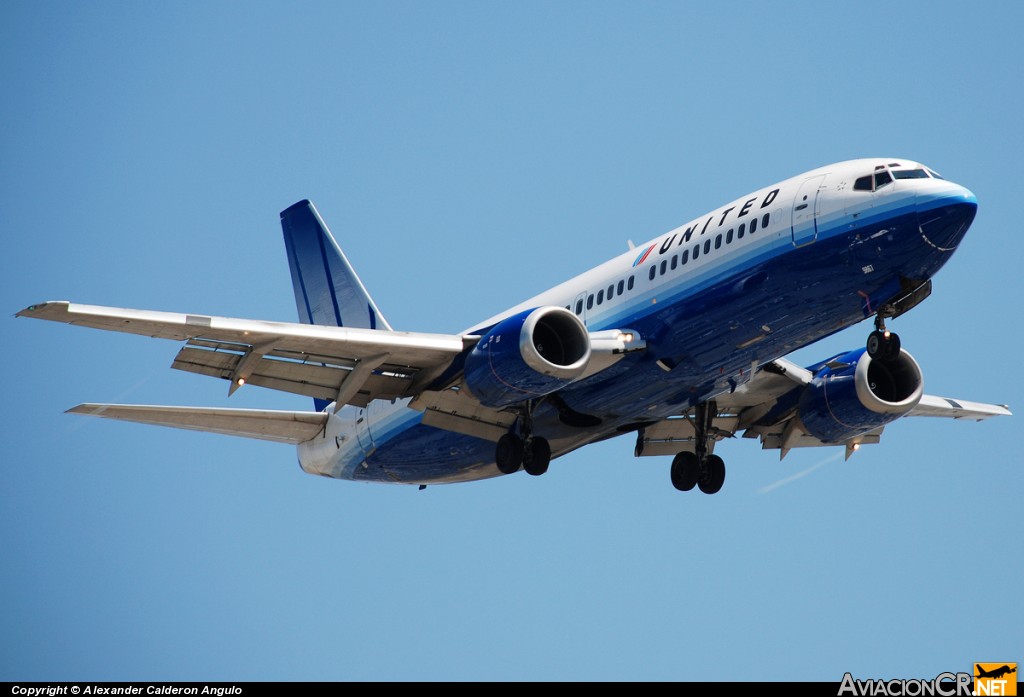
527, 356
853, 394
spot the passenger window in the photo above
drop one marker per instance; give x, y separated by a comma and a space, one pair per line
740, 231
753, 226
707, 246
611, 291
696, 251
579, 307
664, 265
718, 242
764, 221
620, 287
882, 178
686, 256
653, 273
629, 283
600, 296
862, 184
728, 237
675, 262
590, 302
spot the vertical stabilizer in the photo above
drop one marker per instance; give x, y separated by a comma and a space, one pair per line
327, 289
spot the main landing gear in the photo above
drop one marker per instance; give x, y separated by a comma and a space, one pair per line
882, 344
699, 468
531, 452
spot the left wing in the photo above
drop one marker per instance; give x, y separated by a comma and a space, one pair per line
343, 364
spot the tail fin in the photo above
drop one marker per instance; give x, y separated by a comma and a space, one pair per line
327, 289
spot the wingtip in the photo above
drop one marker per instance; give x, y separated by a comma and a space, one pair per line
30, 310
39, 308
86, 409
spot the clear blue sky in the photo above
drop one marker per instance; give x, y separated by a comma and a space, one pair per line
468, 155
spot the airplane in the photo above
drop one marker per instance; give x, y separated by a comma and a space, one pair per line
679, 343
996, 673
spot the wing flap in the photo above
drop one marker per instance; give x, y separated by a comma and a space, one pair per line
310, 379
453, 410
677, 433
279, 426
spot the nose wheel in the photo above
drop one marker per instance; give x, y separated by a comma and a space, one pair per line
882, 344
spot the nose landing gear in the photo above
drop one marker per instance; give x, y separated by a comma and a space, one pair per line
882, 344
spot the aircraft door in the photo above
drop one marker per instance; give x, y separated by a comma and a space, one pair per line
806, 205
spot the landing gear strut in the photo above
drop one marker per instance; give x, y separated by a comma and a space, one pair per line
531, 452
699, 468
882, 344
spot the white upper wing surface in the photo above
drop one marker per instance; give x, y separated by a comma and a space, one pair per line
343, 364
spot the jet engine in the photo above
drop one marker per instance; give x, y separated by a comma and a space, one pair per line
527, 356
854, 393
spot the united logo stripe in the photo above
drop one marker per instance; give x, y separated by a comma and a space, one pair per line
643, 256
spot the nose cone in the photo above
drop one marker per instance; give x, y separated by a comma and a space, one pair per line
945, 211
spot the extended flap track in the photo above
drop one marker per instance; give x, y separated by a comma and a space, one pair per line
308, 374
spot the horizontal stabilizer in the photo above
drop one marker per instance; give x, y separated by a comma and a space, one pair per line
280, 426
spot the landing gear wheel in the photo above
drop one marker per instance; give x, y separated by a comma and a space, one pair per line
892, 347
508, 454
712, 475
685, 471
883, 345
875, 344
537, 456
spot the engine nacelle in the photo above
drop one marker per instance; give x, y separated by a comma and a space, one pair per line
858, 394
527, 356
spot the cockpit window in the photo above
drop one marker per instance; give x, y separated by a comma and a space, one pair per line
909, 174
875, 182
935, 174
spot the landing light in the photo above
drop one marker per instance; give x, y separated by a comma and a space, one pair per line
240, 381
627, 337
856, 447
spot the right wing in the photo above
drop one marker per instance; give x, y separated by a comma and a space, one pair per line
944, 407
765, 407
343, 364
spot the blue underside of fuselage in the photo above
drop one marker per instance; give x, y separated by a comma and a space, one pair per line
709, 327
